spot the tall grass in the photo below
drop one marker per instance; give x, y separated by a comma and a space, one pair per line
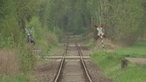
110, 62
14, 65
9, 62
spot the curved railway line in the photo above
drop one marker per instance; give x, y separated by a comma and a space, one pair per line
81, 65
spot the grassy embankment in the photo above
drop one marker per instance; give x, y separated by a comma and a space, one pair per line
110, 63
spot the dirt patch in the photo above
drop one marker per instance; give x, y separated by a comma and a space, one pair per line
110, 46
9, 62
96, 74
59, 52
137, 60
45, 72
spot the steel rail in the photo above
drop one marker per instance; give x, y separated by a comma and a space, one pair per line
60, 69
83, 63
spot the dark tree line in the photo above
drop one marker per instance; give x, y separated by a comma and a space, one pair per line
124, 20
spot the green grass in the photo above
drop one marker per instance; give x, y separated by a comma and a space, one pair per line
110, 63
17, 78
136, 50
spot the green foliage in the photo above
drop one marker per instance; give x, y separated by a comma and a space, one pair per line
15, 16
124, 17
6, 42
73, 16
49, 18
9, 27
110, 63
27, 60
37, 29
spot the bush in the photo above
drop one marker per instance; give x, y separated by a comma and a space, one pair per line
27, 59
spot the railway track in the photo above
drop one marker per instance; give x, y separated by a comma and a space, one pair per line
83, 63
69, 71
61, 65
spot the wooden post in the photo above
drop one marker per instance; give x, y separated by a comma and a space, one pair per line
124, 63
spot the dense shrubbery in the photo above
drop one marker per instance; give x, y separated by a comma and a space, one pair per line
123, 19
15, 16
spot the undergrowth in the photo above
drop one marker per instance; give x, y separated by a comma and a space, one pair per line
110, 62
45, 40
